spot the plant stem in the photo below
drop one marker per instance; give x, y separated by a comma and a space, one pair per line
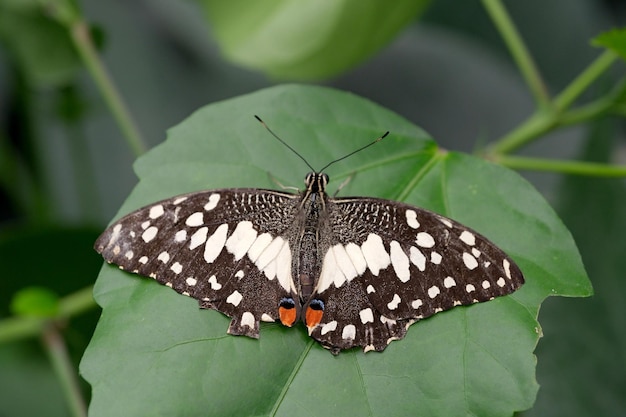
57, 351
544, 120
598, 67
518, 50
536, 125
16, 328
591, 169
83, 42
66, 14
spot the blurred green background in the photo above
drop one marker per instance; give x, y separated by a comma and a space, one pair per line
65, 168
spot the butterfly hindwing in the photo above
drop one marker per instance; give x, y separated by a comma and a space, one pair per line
394, 264
228, 249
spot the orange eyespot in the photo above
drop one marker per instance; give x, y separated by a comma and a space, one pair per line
287, 312
287, 316
313, 317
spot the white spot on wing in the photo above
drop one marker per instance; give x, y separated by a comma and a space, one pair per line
156, 211
195, 220
258, 246
149, 234
435, 258
270, 252
470, 288
176, 268
501, 282
328, 327
433, 291
283, 268
366, 316
164, 257
425, 240
349, 332
370, 289
393, 304
507, 268
180, 236
417, 304
191, 281
486, 284
356, 255
179, 200
411, 219
475, 252
215, 243
199, 237
418, 258
375, 254
213, 200
468, 238
214, 284
400, 261
241, 240
235, 298
129, 254
445, 221
344, 262
449, 282
143, 260
266, 317
469, 261
239, 274
331, 273
247, 318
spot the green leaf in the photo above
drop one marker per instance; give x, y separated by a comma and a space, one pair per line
614, 40
306, 40
155, 353
35, 302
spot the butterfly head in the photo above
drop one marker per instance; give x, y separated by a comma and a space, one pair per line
316, 182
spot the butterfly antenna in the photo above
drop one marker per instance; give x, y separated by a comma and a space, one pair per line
331, 162
353, 152
284, 143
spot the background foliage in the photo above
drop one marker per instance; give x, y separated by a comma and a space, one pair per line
65, 167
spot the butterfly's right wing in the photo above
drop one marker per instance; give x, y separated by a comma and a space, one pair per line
229, 249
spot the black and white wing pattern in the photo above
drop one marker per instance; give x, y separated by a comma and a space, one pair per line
356, 271
229, 249
390, 264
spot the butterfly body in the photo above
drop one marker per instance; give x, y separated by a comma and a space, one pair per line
357, 271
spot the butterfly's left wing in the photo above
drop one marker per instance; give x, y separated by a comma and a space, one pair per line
229, 249
392, 264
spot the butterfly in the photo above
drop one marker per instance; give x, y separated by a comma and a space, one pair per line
357, 271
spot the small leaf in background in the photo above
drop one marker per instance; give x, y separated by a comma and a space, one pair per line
35, 302
306, 39
614, 40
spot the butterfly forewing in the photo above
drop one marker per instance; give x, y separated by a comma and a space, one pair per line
229, 249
